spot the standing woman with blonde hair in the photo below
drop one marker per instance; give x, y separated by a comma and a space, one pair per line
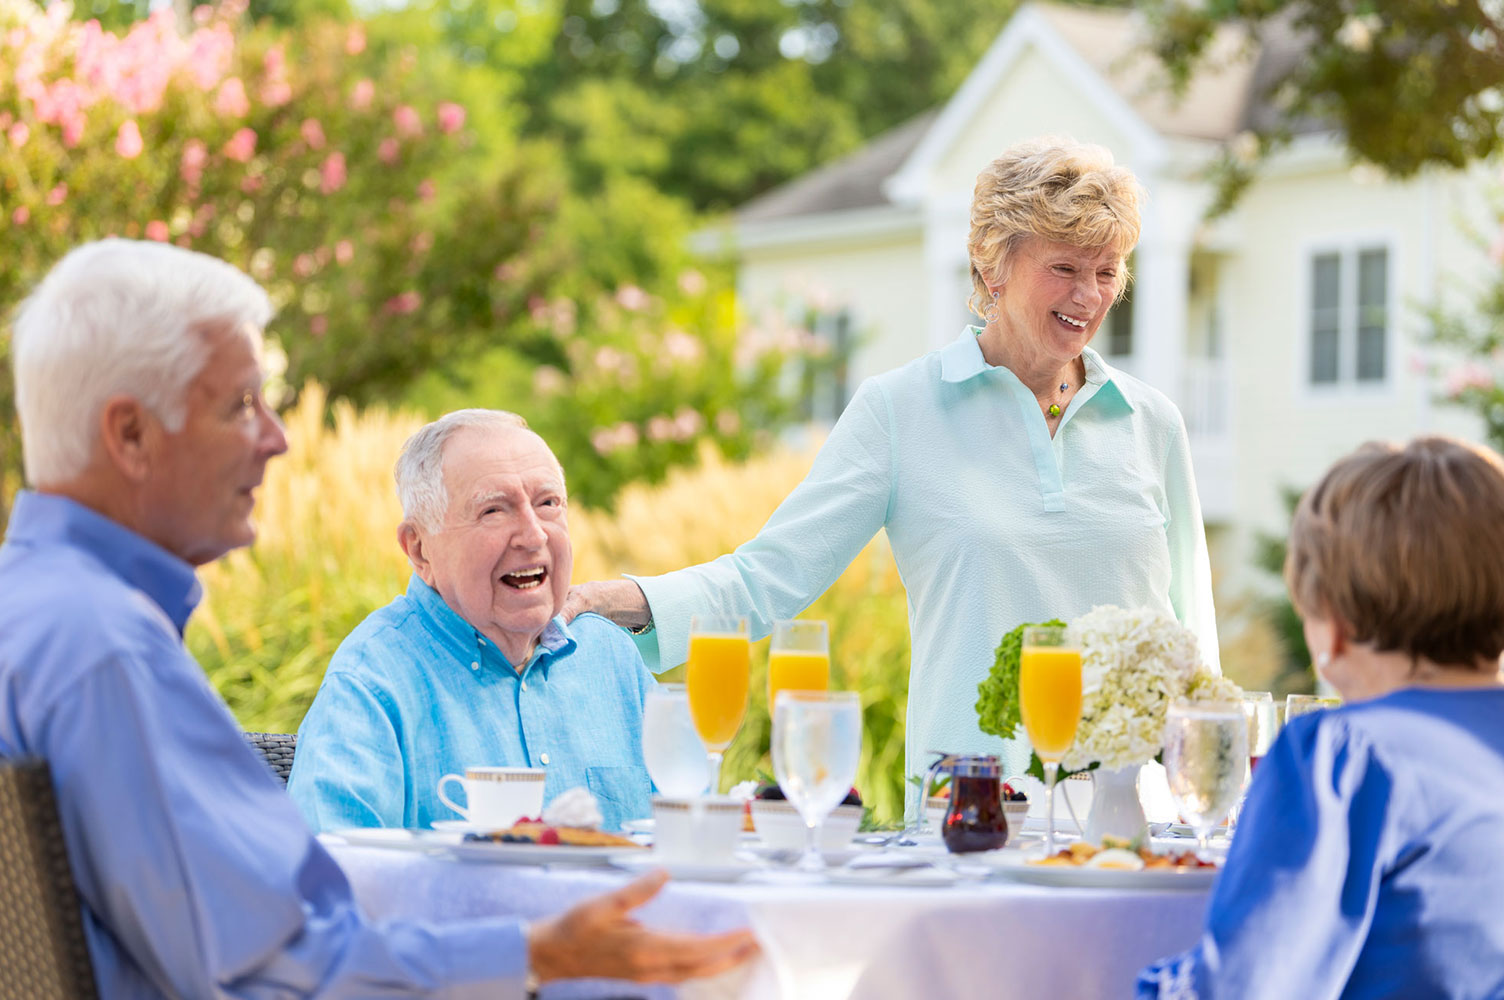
1019, 476
1367, 861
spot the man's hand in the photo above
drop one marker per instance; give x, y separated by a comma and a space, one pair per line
599, 940
622, 601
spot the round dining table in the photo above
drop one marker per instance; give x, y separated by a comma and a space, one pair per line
987, 937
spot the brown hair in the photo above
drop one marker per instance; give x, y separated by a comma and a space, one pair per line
1057, 189
1406, 547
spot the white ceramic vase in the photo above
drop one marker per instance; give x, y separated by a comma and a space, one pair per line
1115, 807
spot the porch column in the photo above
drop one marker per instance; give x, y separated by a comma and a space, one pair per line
1161, 287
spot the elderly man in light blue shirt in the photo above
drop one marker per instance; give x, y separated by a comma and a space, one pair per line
471, 666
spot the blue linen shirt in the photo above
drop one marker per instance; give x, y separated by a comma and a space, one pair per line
992, 523
415, 692
197, 875
1366, 862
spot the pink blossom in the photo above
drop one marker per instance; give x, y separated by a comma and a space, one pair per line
242, 146
401, 305
427, 190
421, 244
388, 151
21, 215
407, 121
344, 251
57, 195
661, 428
231, 101
691, 282
451, 117
250, 183
156, 229
1470, 375
313, 133
362, 94
332, 173
304, 265
610, 360
128, 142
355, 40
548, 380
275, 60
275, 93
1496, 249
18, 134
318, 325
195, 155
5, 119
632, 298
687, 423
680, 346
728, 422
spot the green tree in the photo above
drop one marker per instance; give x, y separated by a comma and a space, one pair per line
1409, 83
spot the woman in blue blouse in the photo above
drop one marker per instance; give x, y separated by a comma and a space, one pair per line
1018, 476
1369, 860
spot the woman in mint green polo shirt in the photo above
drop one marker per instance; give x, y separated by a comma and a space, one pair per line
1018, 475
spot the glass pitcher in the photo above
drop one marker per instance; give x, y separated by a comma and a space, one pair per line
974, 819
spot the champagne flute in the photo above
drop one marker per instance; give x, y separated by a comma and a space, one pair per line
1301, 704
1206, 756
798, 658
1049, 699
671, 748
720, 654
817, 742
1263, 725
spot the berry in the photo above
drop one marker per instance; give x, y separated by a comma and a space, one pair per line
770, 793
853, 798
548, 836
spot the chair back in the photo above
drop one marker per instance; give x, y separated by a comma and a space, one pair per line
43, 952
277, 748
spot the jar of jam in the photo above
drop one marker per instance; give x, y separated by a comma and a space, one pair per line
975, 820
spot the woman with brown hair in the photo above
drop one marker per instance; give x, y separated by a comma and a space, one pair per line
1369, 860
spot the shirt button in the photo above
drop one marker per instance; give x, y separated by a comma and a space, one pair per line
475, 666
543, 758
524, 685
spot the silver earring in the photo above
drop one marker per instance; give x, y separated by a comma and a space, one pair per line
1323, 660
991, 314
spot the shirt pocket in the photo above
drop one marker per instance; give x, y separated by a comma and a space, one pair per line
623, 793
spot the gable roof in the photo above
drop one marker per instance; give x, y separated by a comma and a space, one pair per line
1098, 48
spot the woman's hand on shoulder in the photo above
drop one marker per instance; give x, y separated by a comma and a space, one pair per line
622, 601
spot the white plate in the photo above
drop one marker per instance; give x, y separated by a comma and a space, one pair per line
779, 856
393, 838
692, 871
928, 877
493, 852
1015, 865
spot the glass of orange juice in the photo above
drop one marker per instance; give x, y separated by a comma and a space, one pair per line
798, 659
1049, 699
720, 653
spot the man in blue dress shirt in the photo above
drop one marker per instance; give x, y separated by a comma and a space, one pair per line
138, 384
472, 666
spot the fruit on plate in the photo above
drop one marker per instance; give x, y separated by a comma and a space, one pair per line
770, 792
535, 831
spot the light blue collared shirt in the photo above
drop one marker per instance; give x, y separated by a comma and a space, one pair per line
197, 875
415, 692
992, 523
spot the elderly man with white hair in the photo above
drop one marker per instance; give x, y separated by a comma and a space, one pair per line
138, 384
471, 666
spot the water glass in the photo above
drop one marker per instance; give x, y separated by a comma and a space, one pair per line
817, 743
1301, 704
1049, 699
671, 749
720, 654
1206, 757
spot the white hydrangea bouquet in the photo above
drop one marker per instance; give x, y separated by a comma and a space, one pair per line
1134, 663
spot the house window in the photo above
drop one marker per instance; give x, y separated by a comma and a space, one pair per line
825, 386
1349, 317
1118, 327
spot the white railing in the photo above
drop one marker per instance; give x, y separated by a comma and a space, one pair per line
1204, 399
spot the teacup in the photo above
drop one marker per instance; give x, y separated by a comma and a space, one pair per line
699, 830
497, 797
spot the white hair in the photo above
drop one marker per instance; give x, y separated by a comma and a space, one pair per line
420, 467
118, 318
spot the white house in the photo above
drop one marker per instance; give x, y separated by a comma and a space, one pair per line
1287, 331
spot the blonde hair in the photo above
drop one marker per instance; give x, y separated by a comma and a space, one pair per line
1406, 547
1059, 190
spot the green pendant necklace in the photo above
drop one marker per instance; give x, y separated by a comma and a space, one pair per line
1054, 409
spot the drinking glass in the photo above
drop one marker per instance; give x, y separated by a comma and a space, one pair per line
817, 741
1300, 704
1049, 699
1263, 725
1206, 756
798, 659
671, 749
720, 653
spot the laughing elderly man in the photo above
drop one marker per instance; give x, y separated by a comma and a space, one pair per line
472, 666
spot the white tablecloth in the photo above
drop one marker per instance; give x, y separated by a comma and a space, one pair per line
824, 942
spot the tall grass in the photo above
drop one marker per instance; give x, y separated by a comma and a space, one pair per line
327, 556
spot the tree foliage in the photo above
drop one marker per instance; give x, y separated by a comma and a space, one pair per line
1409, 83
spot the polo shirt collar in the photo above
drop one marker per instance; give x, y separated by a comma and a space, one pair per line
170, 582
462, 640
962, 359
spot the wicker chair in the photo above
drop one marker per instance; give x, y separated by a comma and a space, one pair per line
277, 748
43, 952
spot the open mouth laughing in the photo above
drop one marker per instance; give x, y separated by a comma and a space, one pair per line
530, 578
1071, 321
